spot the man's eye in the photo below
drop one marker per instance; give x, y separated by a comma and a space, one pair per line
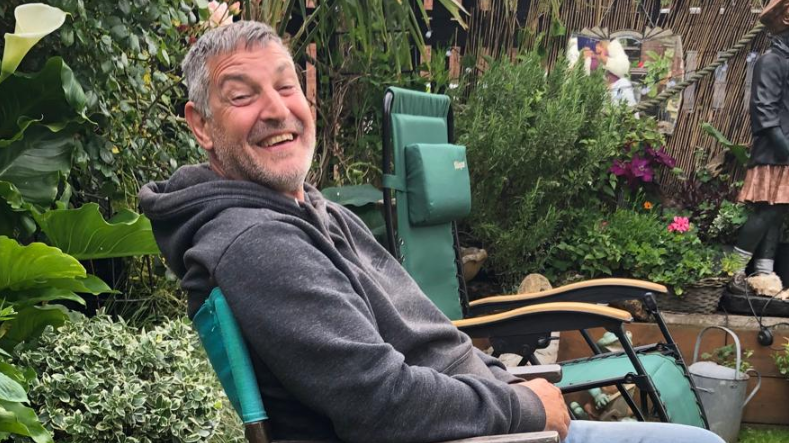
240, 97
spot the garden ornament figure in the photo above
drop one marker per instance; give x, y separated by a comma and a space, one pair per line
766, 186
607, 403
345, 345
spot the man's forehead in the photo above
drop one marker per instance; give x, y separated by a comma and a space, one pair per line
231, 65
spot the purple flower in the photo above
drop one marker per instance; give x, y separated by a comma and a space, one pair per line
641, 169
619, 168
661, 157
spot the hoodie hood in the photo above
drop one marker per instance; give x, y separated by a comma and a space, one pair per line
195, 195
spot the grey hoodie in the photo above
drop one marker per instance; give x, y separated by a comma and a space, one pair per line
345, 345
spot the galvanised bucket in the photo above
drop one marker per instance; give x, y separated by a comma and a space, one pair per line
722, 390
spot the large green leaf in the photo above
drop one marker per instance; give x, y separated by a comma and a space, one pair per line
11, 390
739, 151
358, 195
30, 297
34, 265
30, 322
52, 97
33, 22
19, 419
14, 220
85, 234
363, 201
58, 290
36, 164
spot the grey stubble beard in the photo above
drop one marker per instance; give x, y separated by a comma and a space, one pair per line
235, 164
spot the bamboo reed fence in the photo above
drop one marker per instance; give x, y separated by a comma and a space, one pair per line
707, 27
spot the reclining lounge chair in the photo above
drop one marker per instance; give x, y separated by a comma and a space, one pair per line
427, 176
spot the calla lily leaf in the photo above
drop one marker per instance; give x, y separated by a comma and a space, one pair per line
51, 97
34, 21
35, 167
34, 265
84, 234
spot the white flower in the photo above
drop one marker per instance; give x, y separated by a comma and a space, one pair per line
34, 21
428, 34
220, 15
449, 53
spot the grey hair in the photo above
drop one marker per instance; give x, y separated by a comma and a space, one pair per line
220, 41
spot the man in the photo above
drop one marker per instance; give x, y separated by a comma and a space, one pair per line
345, 345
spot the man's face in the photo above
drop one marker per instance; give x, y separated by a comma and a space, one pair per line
262, 128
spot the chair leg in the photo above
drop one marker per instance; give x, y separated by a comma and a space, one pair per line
651, 391
257, 432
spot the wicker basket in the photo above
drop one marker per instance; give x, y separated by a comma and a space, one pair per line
701, 297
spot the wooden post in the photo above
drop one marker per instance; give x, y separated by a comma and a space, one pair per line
454, 63
312, 81
425, 60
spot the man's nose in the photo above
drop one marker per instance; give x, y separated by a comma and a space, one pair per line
274, 106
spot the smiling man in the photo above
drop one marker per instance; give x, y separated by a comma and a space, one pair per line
345, 345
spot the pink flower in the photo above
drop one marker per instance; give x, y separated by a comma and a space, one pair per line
680, 224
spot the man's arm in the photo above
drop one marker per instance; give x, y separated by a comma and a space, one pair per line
316, 333
497, 368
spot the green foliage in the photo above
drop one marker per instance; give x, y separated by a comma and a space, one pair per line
727, 356
740, 152
100, 380
730, 217
363, 201
16, 418
535, 144
658, 70
126, 56
51, 97
84, 234
782, 360
760, 435
39, 273
631, 244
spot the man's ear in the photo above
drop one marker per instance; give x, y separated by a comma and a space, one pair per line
199, 126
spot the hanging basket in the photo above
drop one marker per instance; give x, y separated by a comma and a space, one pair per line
701, 297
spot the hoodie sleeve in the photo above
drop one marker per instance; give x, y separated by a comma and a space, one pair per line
304, 319
497, 368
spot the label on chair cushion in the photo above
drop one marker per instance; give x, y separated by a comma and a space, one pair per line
437, 183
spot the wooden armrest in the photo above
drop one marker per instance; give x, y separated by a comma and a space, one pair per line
529, 437
547, 308
552, 373
545, 317
603, 290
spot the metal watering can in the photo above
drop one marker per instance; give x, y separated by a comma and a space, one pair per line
722, 390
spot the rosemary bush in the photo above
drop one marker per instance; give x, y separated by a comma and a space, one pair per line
101, 380
537, 145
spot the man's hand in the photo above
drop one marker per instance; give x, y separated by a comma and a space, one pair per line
556, 416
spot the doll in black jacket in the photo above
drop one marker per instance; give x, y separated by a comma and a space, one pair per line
766, 186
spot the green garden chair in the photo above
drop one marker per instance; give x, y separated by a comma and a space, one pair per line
222, 340
426, 189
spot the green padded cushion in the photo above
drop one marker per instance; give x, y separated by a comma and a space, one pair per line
428, 251
223, 343
437, 183
673, 387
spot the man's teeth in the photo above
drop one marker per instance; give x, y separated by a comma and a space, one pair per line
276, 139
